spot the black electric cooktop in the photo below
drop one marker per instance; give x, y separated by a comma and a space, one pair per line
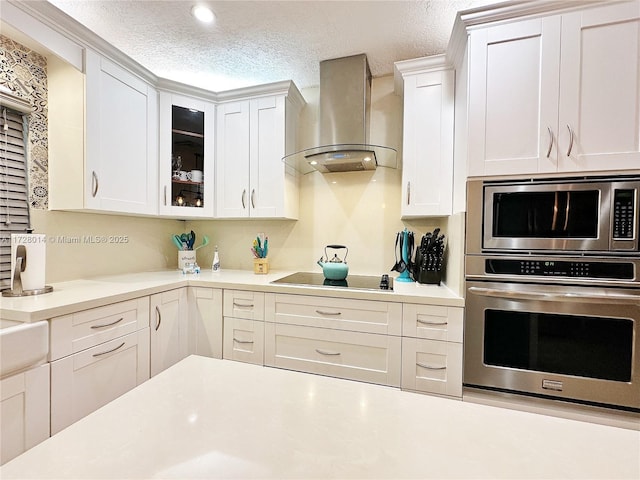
355, 282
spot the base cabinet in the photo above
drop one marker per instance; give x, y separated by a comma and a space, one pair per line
432, 349
353, 355
24, 411
244, 326
83, 382
169, 329
205, 321
432, 366
244, 340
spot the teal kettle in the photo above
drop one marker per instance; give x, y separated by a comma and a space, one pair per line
336, 268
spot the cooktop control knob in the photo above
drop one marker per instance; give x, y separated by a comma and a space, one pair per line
384, 282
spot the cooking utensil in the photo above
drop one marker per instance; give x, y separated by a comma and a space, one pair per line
336, 268
177, 241
205, 242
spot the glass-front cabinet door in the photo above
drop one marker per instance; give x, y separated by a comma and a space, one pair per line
186, 156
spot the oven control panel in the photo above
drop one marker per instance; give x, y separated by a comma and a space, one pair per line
560, 268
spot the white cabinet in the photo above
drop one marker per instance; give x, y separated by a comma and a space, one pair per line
432, 349
354, 339
556, 94
244, 326
103, 138
205, 321
243, 340
186, 156
96, 356
427, 139
600, 89
24, 411
169, 329
253, 135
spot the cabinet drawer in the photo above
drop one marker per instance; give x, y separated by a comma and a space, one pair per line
432, 322
336, 313
243, 340
432, 366
357, 356
79, 331
243, 304
83, 382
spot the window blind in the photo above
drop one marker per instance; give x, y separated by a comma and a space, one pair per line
14, 191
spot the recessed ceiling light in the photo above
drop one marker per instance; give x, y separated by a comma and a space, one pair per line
203, 13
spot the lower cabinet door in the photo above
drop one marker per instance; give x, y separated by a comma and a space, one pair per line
367, 357
85, 381
432, 366
205, 321
243, 340
24, 411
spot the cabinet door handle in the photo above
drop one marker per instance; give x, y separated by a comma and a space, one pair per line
244, 194
242, 341
408, 193
253, 198
425, 322
165, 195
550, 141
321, 312
94, 182
108, 324
159, 317
430, 368
109, 351
243, 305
326, 352
570, 140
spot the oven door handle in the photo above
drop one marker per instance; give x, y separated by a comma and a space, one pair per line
554, 297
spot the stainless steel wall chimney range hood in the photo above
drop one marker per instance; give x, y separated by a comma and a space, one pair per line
345, 99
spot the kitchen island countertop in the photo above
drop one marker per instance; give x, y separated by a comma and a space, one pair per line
76, 295
208, 418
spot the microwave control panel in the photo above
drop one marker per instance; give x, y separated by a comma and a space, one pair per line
624, 214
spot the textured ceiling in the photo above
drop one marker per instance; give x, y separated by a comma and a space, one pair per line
255, 42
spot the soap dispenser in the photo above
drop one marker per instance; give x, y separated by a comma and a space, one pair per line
215, 266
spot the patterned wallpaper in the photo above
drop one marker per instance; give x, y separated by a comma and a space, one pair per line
25, 72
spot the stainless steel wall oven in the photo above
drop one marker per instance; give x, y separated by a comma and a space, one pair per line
553, 289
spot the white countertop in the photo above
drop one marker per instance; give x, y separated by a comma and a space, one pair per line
208, 418
76, 295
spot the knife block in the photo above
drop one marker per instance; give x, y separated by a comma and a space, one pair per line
260, 265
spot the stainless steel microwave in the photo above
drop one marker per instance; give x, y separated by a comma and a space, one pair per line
592, 215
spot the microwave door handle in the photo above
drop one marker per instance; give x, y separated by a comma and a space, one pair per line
566, 212
555, 297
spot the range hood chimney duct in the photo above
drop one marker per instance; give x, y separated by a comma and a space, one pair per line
345, 100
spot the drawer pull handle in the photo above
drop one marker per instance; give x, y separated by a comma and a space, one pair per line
108, 324
109, 351
159, 316
242, 341
430, 368
425, 322
243, 305
320, 312
325, 352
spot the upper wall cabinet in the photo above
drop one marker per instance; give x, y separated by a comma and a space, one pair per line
253, 134
556, 94
186, 156
427, 142
103, 137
